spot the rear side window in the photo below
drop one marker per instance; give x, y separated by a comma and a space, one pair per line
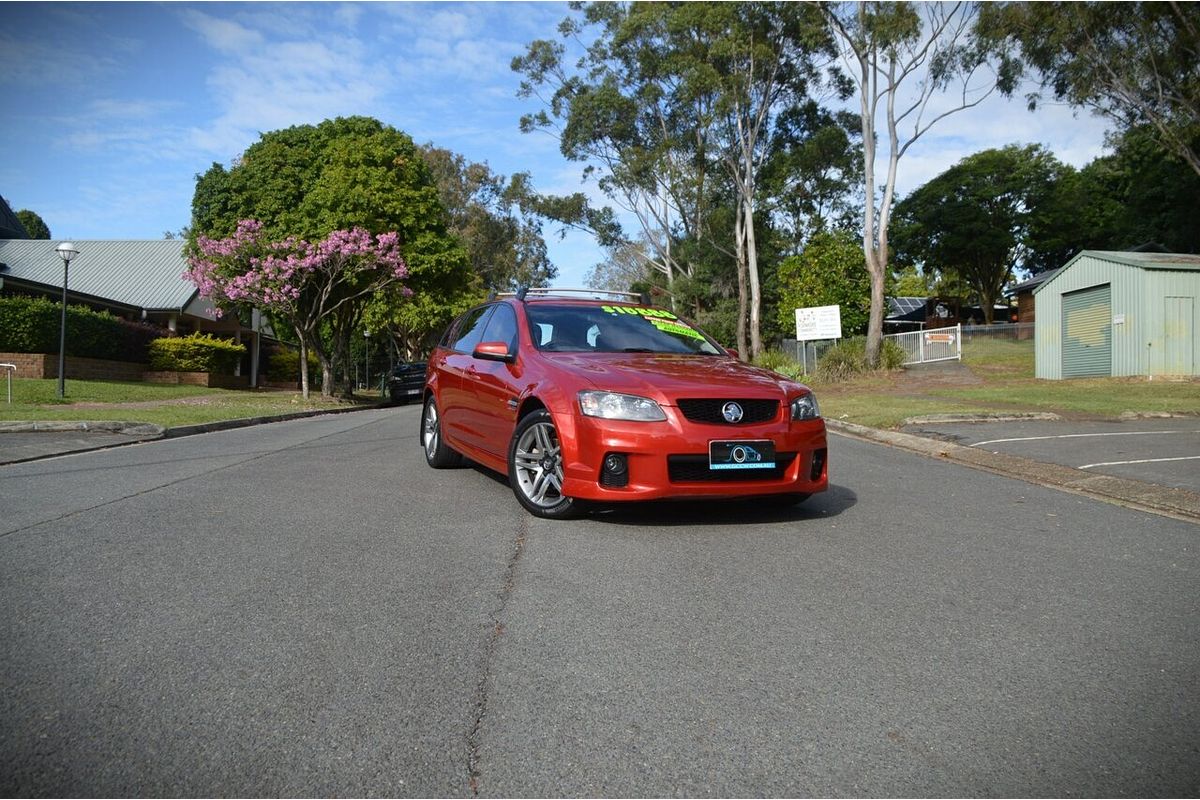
470, 330
502, 327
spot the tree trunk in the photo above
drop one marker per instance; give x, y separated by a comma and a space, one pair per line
876, 266
303, 363
740, 259
756, 345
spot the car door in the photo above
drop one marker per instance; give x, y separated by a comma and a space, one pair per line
455, 392
494, 389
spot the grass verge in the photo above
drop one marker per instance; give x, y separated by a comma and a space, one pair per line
168, 406
996, 377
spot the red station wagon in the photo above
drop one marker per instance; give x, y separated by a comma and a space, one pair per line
607, 401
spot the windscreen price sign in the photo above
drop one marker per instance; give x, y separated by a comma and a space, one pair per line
820, 322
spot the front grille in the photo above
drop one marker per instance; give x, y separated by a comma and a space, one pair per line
709, 411
694, 469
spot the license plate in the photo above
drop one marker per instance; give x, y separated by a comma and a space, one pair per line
412, 391
756, 454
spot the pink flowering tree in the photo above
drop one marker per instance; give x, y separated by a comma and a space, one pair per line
305, 284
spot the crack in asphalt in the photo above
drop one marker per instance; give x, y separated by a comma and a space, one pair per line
484, 688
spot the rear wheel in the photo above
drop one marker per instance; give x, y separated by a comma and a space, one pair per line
437, 453
535, 468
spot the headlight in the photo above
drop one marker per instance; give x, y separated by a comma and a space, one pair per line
610, 405
805, 407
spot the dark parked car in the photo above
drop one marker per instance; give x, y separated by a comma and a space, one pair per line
407, 381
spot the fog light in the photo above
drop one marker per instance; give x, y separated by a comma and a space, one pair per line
615, 470
818, 464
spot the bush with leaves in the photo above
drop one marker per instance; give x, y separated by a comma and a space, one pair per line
781, 362
848, 358
283, 365
199, 352
32, 325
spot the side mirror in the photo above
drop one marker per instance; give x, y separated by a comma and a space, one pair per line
494, 351
729, 351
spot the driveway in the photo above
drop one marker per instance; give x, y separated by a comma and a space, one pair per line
1165, 452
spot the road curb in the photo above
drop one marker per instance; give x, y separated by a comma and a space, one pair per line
246, 422
139, 432
100, 426
1176, 503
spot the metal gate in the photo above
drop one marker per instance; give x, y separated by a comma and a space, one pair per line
922, 347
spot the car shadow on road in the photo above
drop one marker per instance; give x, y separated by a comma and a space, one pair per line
694, 513
691, 512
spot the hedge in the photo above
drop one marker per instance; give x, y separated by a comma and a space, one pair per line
283, 366
31, 325
199, 352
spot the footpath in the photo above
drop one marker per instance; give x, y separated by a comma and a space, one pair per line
31, 441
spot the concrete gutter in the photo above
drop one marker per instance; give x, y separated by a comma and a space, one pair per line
1170, 502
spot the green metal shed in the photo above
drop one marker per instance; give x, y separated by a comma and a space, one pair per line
1119, 314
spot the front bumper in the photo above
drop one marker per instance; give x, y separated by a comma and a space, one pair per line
670, 458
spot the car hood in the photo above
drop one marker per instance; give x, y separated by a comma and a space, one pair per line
666, 377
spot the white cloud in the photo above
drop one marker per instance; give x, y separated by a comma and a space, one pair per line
224, 35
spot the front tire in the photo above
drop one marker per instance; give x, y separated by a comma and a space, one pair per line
535, 469
437, 453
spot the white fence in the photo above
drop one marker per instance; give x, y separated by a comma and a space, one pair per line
923, 347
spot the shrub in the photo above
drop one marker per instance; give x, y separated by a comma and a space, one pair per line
31, 325
781, 362
195, 353
284, 365
848, 358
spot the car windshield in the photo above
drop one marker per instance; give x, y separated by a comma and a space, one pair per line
614, 329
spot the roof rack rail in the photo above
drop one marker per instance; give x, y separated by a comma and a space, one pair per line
597, 294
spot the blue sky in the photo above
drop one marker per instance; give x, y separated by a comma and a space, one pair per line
110, 110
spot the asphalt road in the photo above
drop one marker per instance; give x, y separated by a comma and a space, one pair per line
1163, 451
304, 608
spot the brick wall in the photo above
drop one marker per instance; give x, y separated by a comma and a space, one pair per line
45, 365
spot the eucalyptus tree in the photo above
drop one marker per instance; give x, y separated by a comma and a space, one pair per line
672, 102
1136, 63
900, 55
505, 248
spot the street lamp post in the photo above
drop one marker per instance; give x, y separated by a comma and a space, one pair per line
367, 360
66, 251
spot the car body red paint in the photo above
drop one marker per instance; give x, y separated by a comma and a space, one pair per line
500, 362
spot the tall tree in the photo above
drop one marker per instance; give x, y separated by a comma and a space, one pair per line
977, 219
1135, 63
505, 248
354, 172
672, 100
33, 224
900, 55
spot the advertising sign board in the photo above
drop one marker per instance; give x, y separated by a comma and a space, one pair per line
819, 322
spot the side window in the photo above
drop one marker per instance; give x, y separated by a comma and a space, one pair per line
502, 327
470, 330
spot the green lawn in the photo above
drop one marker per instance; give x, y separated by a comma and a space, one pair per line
997, 377
994, 377
168, 406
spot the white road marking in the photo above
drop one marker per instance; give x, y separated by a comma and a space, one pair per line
1140, 461
1081, 436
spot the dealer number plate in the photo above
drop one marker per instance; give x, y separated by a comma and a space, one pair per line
756, 454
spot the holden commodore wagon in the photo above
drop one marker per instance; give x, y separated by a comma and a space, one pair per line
584, 400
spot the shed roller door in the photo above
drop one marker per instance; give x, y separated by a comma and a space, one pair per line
1087, 333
